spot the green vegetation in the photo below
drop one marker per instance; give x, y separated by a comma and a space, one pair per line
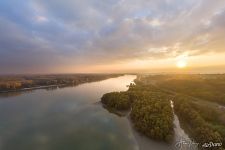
206, 87
19, 82
117, 100
212, 114
198, 127
151, 113
198, 102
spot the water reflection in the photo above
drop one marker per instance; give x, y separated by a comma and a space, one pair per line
10, 94
67, 118
70, 118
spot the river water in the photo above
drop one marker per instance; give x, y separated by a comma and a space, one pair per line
69, 119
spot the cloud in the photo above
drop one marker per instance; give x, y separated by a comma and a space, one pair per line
45, 34
41, 19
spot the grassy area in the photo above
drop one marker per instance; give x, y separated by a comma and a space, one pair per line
205, 87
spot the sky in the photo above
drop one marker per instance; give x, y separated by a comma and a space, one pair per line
93, 36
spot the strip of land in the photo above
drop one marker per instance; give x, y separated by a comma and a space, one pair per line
12, 83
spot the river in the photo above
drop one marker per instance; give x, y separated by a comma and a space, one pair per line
69, 119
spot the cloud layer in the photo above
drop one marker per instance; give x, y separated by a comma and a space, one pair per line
46, 35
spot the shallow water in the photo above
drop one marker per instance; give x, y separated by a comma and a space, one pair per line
181, 139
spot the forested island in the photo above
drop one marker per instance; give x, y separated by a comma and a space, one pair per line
151, 113
25, 82
198, 102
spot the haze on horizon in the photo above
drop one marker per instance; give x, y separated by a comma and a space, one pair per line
88, 36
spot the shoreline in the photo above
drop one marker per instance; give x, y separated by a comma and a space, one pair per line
32, 88
145, 143
142, 141
52, 86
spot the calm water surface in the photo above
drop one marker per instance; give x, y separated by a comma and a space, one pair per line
65, 119
69, 119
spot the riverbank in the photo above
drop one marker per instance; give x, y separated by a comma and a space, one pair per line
145, 143
25, 83
142, 141
33, 88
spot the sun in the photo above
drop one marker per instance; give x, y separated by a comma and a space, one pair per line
181, 63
